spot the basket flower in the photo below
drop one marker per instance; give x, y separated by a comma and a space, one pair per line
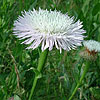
92, 47
48, 29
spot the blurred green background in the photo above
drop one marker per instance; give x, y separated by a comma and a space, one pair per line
62, 71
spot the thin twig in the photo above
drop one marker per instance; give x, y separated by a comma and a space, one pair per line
16, 70
64, 57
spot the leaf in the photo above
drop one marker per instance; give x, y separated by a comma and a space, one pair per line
95, 92
99, 35
16, 97
85, 7
37, 73
33, 5
96, 9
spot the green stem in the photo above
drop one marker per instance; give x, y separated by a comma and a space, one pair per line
80, 81
41, 63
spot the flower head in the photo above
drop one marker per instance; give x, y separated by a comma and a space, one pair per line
92, 45
91, 49
48, 28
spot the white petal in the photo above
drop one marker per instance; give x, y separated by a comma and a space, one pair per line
47, 44
56, 43
43, 43
51, 44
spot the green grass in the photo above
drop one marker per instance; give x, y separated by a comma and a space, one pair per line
62, 71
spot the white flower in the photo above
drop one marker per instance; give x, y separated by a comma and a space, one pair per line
48, 28
92, 45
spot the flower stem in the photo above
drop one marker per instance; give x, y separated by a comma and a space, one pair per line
41, 63
80, 81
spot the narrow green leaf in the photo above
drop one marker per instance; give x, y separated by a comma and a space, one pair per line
96, 9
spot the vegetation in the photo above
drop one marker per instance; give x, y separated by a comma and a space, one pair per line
62, 71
